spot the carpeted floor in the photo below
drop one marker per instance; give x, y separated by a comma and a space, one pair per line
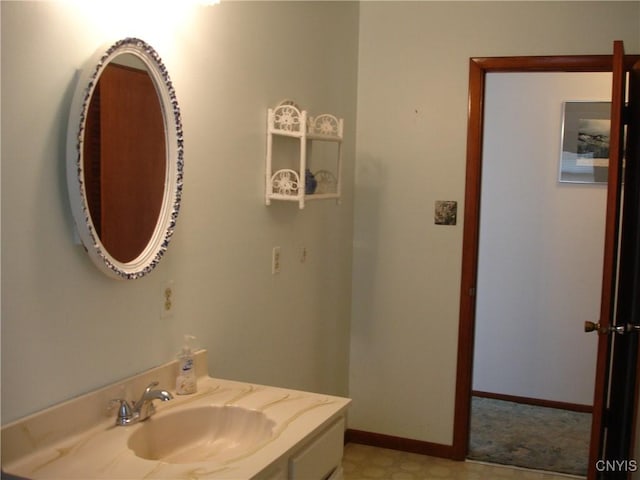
528, 436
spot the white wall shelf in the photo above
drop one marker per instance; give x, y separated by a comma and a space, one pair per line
290, 184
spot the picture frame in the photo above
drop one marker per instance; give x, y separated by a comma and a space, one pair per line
584, 152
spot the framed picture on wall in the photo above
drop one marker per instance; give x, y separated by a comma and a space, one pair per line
584, 156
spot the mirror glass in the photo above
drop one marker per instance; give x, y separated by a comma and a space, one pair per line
125, 159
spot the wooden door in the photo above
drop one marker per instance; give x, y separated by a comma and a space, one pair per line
615, 398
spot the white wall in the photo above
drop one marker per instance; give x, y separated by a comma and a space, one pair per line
67, 328
541, 244
412, 112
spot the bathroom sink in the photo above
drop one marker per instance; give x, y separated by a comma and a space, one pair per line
201, 434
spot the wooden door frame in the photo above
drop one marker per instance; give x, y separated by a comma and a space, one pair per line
478, 68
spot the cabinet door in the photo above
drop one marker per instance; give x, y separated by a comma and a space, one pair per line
319, 458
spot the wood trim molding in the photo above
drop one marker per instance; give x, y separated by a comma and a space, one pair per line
538, 402
398, 443
466, 331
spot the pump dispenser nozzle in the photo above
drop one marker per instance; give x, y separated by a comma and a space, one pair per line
186, 347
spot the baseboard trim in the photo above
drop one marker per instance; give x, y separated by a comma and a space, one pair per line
538, 402
398, 443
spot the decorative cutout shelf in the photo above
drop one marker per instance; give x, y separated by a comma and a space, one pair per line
300, 185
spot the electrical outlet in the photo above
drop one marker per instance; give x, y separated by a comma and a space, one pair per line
168, 299
275, 260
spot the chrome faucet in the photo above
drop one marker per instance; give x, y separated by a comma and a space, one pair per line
143, 408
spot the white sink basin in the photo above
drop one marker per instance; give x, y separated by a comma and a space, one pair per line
201, 434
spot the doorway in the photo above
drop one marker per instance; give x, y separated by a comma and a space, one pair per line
533, 376
479, 67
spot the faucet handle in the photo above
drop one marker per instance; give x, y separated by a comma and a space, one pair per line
125, 414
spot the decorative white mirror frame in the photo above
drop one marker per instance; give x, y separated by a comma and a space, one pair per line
157, 245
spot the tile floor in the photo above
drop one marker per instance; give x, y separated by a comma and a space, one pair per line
362, 462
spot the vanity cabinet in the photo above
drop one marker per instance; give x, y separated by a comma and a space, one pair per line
319, 458
311, 176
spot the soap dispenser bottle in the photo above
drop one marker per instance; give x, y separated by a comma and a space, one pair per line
186, 380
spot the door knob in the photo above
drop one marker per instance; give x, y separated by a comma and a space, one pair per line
591, 327
596, 327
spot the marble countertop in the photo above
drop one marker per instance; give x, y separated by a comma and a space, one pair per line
99, 451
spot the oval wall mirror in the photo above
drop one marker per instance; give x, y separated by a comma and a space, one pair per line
125, 159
